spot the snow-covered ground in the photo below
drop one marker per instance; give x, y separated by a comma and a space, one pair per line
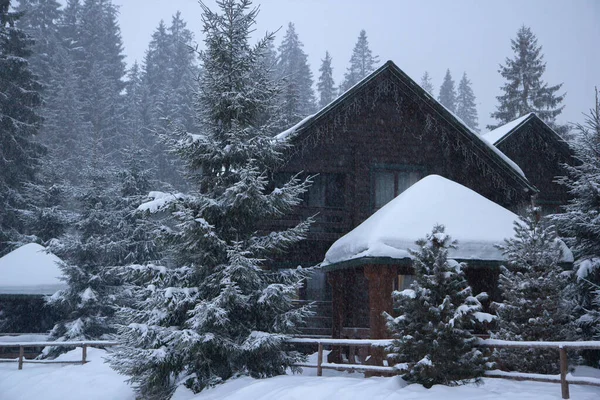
96, 380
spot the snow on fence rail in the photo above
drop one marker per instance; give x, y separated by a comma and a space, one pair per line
321, 343
564, 378
83, 344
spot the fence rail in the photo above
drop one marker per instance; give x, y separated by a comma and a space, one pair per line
564, 378
83, 344
321, 343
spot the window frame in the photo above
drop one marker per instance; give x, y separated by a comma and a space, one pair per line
396, 169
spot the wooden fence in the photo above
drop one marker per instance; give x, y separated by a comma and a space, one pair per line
564, 378
351, 366
83, 344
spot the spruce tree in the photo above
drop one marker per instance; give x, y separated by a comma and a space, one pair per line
525, 90
297, 96
216, 311
579, 223
362, 63
534, 288
19, 123
426, 83
326, 85
432, 334
466, 108
109, 233
447, 94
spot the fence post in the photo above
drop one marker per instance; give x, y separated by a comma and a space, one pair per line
21, 353
320, 360
564, 385
83, 354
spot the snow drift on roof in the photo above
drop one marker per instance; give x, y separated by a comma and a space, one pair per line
30, 269
494, 136
478, 224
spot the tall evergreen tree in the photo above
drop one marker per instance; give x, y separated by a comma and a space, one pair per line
447, 94
40, 21
466, 108
580, 223
426, 83
525, 90
19, 123
169, 69
109, 233
297, 95
217, 312
433, 333
534, 289
326, 85
362, 62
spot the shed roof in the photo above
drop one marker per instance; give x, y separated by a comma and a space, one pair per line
478, 224
30, 270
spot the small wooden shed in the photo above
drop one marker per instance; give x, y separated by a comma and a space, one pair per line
367, 264
27, 274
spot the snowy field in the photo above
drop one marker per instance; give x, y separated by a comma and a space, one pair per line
96, 381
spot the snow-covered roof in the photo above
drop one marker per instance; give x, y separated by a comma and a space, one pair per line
30, 269
500, 132
478, 224
294, 130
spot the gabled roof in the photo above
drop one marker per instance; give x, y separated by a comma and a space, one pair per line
504, 132
500, 132
495, 155
478, 224
30, 270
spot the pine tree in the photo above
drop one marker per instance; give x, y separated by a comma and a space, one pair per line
19, 123
217, 311
579, 223
109, 233
40, 21
169, 69
534, 291
297, 96
525, 91
447, 94
432, 333
465, 103
426, 83
326, 85
362, 62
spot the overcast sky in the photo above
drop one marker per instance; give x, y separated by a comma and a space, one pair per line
433, 35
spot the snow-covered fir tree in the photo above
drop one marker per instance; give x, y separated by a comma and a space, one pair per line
169, 70
436, 315
216, 311
108, 233
297, 95
362, 63
580, 223
466, 109
525, 90
447, 94
426, 83
534, 291
40, 20
326, 85
19, 123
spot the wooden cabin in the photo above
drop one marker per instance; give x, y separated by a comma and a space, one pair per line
540, 152
379, 138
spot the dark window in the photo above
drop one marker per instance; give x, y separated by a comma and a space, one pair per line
327, 190
389, 183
